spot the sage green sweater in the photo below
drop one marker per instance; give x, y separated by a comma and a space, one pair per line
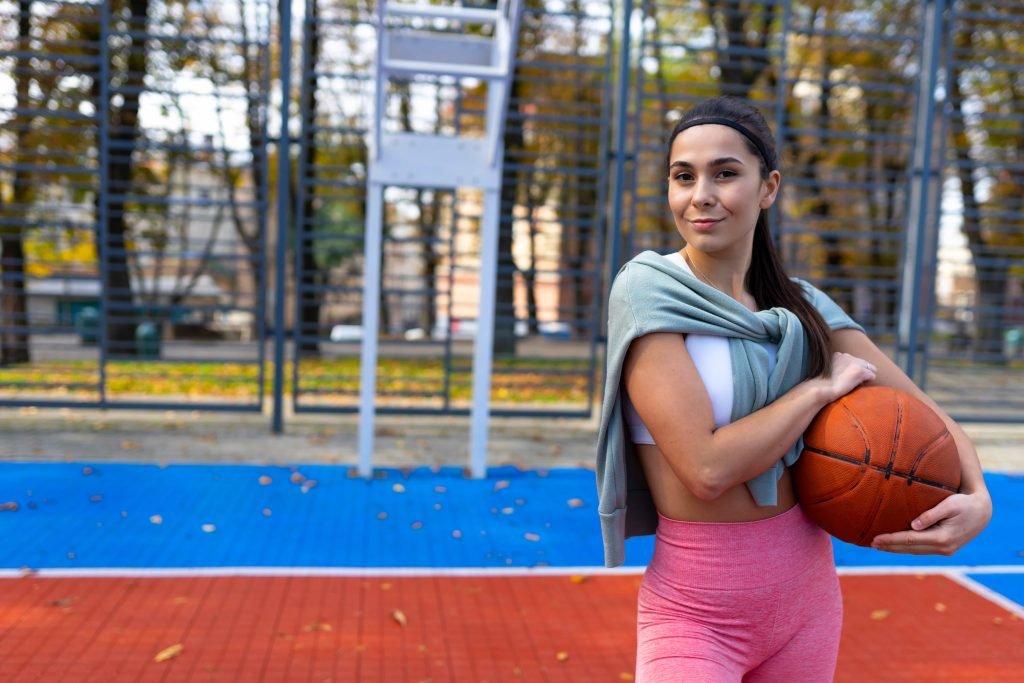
651, 294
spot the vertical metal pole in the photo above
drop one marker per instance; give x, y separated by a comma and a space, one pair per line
283, 172
103, 202
621, 114
483, 349
917, 217
371, 308
263, 207
775, 213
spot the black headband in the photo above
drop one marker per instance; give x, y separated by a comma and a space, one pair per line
735, 126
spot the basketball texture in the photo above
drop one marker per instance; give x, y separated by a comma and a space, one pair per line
872, 462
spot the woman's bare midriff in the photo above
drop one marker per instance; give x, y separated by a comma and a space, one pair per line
675, 501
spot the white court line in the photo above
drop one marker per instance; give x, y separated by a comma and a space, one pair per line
989, 594
185, 572
416, 572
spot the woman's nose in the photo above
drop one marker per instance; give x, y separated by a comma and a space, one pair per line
703, 193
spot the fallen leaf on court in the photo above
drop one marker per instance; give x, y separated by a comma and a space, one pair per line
940, 607
317, 626
156, 519
880, 614
575, 503
209, 438
267, 512
9, 507
417, 525
382, 515
209, 528
562, 656
398, 488
385, 586
997, 620
297, 477
308, 484
87, 471
531, 537
456, 534
399, 616
95, 499
625, 676
169, 653
71, 556
440, 489
129, 445
578, 578
180, 600
499, 485
265, 480
62, 602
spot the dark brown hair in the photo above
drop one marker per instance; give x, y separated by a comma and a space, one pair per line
766, 278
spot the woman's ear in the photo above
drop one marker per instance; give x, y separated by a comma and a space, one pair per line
771, 189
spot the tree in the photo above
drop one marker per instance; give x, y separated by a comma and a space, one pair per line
987, 140
14, 337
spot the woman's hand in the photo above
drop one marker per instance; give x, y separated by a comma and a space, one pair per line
942, 530
848, 372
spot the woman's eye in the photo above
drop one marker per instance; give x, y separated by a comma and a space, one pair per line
727, 173
684, 177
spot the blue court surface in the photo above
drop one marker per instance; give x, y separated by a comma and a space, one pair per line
87, 516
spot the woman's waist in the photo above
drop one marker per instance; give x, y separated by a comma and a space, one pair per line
674, 501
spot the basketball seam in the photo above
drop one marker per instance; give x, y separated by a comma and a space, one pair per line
877, 503
909, 477
924, 451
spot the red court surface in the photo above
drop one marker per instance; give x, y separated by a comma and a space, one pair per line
445, 629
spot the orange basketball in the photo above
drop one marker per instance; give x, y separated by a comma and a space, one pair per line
872, 462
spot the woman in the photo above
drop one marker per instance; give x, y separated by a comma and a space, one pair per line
717, 362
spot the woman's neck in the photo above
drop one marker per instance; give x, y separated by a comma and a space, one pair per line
727, 276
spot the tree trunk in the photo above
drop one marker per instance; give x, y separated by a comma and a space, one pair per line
307, 328
124, 133
14, 337
504, 303
986, 318
740, 72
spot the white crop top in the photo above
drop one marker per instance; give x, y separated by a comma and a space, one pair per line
714, 364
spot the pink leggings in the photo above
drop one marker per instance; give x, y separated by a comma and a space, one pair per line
748, 601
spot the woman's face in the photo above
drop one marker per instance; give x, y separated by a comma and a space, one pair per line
715, 190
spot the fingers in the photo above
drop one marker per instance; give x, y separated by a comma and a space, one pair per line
915, 543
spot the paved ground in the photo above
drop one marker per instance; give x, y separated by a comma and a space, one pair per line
130, 572
402, 441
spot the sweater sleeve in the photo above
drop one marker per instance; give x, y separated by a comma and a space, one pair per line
835, 317
611, 444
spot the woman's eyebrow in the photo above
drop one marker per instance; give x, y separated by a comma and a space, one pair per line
717, 162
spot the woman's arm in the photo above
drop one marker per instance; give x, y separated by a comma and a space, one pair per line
948, 526
669, 395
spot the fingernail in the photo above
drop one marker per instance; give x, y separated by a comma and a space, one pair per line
916, 524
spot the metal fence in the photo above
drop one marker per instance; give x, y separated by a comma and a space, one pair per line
134, 222
138, 237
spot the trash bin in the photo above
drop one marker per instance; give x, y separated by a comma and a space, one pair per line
87, 324
147, 340
1012, 342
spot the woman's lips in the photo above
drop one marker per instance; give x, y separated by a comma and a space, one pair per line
705, 223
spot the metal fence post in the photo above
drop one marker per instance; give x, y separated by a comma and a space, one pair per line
283, 171
917, 215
